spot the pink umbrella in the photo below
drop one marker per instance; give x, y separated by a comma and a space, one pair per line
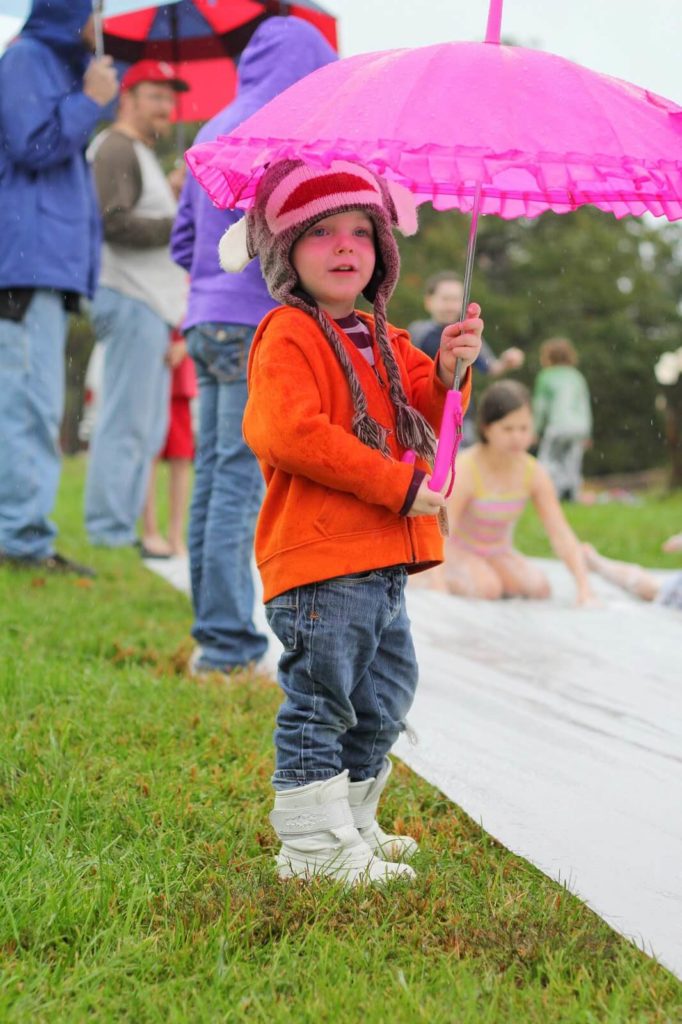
475, 127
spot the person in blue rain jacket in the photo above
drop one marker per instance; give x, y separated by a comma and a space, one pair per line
52, 94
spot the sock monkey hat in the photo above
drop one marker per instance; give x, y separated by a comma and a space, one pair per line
291, 197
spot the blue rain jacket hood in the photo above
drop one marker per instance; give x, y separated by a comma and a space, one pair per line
49, 219
58, 24
281, 51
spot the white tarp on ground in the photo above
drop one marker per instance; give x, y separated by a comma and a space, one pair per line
559, 730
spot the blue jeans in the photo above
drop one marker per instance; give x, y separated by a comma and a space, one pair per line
349, 673
133, 418
228, 490
31, 407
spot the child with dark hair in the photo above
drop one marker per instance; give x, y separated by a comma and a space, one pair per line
443, 293
563, 416
495, 479
336, 399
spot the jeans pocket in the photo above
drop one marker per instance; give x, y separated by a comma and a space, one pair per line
353, 578
223, 348
282, 615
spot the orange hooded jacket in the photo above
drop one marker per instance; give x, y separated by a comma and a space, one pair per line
331, 503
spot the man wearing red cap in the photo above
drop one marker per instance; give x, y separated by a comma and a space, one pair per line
141, 296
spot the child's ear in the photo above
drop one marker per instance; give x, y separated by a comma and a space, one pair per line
405, 208
233, 250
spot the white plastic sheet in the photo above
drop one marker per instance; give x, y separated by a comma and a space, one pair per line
559, 730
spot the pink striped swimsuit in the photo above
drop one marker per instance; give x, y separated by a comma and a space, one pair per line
487, 524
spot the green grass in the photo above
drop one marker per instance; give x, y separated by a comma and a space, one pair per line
136, 860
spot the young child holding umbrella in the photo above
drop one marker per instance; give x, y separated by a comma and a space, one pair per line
336, 398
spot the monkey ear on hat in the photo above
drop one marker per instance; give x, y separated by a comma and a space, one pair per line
233, 250
405, 207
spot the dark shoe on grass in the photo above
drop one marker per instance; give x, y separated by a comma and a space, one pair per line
53, 563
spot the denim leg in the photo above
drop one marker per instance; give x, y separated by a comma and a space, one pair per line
384, 694
348, 671
227, 495
31, 408
133, 417
204, 466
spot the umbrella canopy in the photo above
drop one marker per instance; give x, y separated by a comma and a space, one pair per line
533, 131
469, 126
187, 30
200, 38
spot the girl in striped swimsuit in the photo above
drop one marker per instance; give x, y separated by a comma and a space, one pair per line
495, 479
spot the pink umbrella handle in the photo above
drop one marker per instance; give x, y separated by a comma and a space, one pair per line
448, 442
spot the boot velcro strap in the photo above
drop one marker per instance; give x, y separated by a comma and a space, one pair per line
364, 814
302, 820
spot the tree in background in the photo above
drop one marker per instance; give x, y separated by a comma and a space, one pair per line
613, 287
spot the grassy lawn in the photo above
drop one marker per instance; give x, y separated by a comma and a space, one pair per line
136, 860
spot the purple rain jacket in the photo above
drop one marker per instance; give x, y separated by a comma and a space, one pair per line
280, 52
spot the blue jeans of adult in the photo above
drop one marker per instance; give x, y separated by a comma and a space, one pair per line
228, 490
349, 673
133, 417
31, 408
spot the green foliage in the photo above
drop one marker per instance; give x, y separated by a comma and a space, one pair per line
611, 286
137, 880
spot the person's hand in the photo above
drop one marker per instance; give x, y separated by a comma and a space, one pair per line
673, 544
100, 81
176, 352
427, 502
460, 341
176, 178
512, 358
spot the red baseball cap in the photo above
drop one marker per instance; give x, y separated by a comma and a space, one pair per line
152, 71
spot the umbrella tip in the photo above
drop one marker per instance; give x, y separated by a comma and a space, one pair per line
494, 26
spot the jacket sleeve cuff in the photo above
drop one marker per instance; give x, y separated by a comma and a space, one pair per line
415, 484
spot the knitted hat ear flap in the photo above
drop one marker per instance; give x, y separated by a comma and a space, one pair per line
364, 426
413, 430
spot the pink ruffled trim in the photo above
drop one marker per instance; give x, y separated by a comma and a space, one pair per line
515, 184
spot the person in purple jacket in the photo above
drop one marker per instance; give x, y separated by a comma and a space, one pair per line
223, 312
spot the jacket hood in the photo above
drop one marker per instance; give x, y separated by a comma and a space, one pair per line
58, 24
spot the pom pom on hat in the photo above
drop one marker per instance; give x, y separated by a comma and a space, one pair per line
233, 250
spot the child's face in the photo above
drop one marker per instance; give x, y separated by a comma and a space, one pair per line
513, 433
445, 304
334, 260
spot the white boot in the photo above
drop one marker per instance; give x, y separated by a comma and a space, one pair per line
363, 798
318, 836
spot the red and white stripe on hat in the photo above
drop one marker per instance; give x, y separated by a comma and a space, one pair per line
311, 193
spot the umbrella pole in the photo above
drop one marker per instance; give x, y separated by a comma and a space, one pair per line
469, 269
99, 34
180, 136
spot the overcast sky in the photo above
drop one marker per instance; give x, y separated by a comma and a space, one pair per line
638, 40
